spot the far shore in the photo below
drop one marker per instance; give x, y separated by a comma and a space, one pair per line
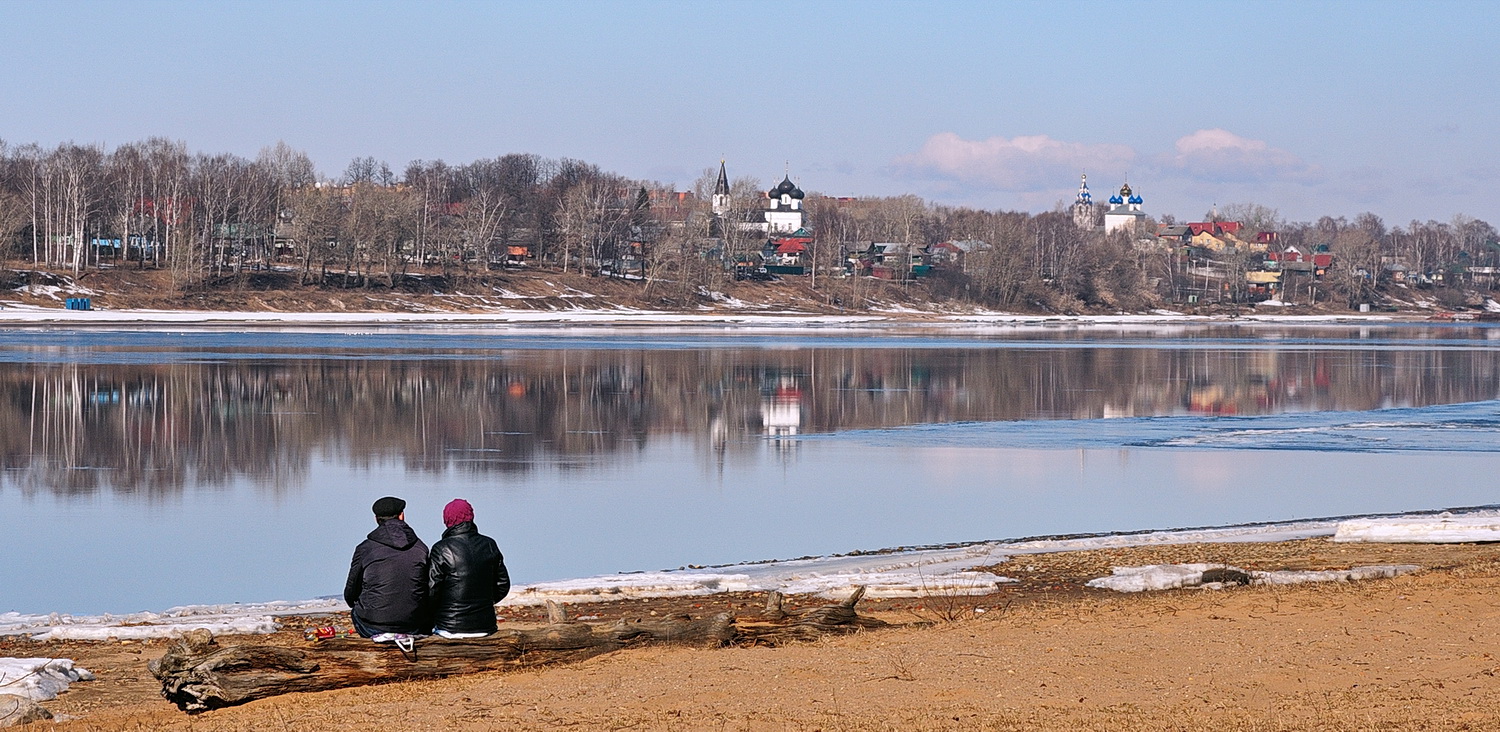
14, 315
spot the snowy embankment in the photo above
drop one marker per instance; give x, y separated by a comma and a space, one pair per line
1439, 529
236, 618
894, 574
947, 571
732, 313
39, 679
14, 314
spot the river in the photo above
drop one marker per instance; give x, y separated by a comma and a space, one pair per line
145, 468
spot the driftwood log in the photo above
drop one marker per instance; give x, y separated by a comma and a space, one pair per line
198, 674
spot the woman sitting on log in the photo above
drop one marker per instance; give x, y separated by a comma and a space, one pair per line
466, 576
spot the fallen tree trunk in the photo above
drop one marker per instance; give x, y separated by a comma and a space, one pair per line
198, 674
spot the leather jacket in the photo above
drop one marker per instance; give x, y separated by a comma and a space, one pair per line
466, 576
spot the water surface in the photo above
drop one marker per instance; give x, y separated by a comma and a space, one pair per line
141, 469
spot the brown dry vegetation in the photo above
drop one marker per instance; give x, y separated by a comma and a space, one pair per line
539, 289
545, 289
1413, 653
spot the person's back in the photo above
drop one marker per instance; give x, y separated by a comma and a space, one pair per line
386, 588
466, 576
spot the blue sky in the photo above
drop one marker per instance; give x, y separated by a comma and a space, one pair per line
1310, 108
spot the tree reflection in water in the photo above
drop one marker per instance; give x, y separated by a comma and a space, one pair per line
162, 428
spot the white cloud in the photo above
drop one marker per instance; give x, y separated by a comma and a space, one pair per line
1024, 163
1221, 155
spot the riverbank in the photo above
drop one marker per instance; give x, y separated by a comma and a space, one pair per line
1045, 653
15, 315
143, 297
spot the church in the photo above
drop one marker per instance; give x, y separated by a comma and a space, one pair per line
1124, 209
782, 214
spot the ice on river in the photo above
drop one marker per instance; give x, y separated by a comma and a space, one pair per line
1466, 427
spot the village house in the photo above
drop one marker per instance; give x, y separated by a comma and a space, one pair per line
788, 254
954, 254
1302, 259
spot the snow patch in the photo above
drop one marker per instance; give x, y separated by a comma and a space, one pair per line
1441, 529
895, 574
1174, 576
249, 625
721, 298
232, 619
39, 679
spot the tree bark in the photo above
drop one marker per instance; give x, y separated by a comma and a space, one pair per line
198, 674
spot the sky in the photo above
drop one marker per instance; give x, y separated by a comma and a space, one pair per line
1310, 108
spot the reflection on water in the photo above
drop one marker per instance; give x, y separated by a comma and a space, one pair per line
254, 457
127, 426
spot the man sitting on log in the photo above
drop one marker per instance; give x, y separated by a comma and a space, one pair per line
466, 576
387, 584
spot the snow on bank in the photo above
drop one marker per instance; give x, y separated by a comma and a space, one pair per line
1444, 528
946, 571
896, 574
234, 619
15, 313
1174, 576
39, 679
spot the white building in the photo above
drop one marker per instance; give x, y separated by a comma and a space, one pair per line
784, 215
1124, 210
783, 212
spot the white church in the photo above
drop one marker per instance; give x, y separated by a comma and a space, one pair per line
1124, 208
782, 215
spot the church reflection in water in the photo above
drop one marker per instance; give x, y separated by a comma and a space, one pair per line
160, 428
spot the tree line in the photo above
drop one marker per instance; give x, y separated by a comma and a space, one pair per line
210, 219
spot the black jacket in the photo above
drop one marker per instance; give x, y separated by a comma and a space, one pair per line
387, 585
465, 579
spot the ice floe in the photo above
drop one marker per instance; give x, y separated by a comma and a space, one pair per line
39, 679
1174, 576
1461, 427
1439, 529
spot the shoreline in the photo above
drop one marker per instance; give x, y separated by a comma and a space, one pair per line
897, 573
1045, 654
20, 315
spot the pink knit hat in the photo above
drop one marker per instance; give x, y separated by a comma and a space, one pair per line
456, 512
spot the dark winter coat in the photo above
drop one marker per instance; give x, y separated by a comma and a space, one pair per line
465, 578
387, 585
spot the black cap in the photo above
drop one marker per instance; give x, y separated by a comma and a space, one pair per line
388, 507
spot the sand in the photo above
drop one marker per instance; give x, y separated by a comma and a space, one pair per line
1416, 652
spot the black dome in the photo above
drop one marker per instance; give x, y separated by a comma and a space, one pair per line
787, 187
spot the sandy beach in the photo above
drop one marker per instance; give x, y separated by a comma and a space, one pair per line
1047, 653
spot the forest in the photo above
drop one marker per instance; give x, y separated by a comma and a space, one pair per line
215, 220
